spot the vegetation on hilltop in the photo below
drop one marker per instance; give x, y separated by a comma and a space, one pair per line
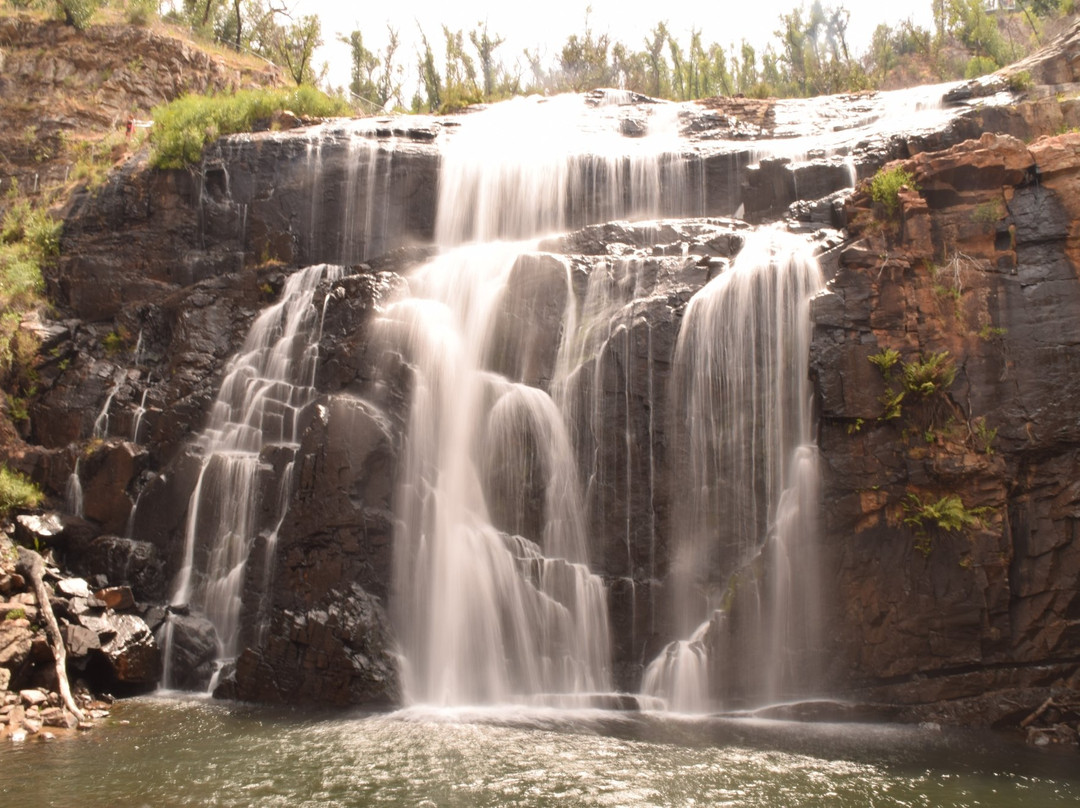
184, 126
810, 55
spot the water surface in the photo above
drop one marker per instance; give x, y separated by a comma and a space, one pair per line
201, 753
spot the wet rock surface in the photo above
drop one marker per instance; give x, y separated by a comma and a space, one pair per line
341, 654
109, 649
981, 265
165, 271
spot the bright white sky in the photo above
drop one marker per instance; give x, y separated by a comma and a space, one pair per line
545, 24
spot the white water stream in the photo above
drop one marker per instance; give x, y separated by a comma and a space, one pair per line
495, 597
266, 388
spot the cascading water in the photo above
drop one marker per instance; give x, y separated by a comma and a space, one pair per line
745, 495
536, 441
493, 598
257, 411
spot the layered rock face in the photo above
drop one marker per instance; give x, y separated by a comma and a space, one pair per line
164, 273
958, 618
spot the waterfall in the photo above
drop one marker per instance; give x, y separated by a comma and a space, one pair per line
101, 423
266, 388
73, 494
493, 598
484, 615
504, 175
745, 491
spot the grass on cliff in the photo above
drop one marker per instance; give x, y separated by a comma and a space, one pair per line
182, 128
29, 238
16, 491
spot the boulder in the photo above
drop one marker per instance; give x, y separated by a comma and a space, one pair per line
43, 529
129, 653
118, 598
127, 563
74, 588
16, 639
79, 640
191, 647
340, 654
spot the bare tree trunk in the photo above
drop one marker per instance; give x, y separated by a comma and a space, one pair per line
31, 566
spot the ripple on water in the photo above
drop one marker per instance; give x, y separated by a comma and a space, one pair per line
184, 753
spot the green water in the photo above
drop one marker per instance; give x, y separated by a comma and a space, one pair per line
198, 753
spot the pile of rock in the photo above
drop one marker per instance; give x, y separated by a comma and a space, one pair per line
39, 713
108, 646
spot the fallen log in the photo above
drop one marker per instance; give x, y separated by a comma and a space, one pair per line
32, 567
1035, 716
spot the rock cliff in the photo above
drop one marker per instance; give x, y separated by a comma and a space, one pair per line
944, 360
959, 619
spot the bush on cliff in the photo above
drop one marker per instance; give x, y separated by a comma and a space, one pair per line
184, 126
885, 187
16, 491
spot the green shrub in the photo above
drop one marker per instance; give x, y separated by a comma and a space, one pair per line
948, 513
16, 491
1021, 81
184, 126
884, 361
78, 13
929, 375
979, 66
886, 184
114, 342
141, 12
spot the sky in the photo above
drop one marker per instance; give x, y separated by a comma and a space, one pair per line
545, 24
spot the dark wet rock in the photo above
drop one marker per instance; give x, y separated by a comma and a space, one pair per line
341, 654
80, 640
193, 651
128, 563
43, 530
132, 655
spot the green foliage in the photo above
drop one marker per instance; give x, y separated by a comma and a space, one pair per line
988, 212
929, 375
294, 46
979, 66
184, 126
946, 514
884, 360
114, 342
885, 187
16, 491
15, 614
892, 402
989, 332
32, 226
141, 12
78, 13
1021, 81
984, 435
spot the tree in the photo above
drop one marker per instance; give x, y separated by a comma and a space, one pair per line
363, 64
430, 79
658, 68
584, 60
295, 44
485, 49
77, 13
